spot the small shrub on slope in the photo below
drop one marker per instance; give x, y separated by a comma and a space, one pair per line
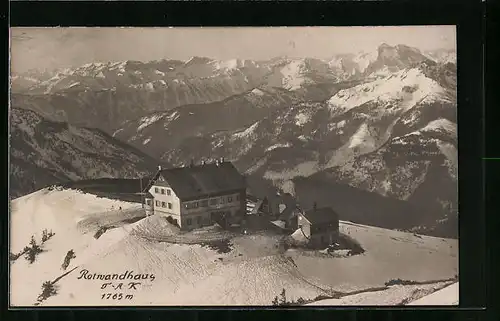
46, 235
48, 290
15, 256
281, 300
69, 256
100, 232
31, 251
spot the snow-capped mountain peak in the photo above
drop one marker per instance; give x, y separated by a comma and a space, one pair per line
408, 87
198, 60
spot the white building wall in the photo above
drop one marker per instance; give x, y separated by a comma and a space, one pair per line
195, 211
305, 225
149, 206
165, 199
200, 215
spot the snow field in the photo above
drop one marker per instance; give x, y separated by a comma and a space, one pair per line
445, 296
388, 255
394, 295
253, 272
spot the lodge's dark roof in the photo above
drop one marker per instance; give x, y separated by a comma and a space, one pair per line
194, 182
252, 198
321, 215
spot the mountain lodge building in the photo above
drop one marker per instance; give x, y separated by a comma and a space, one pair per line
198, 195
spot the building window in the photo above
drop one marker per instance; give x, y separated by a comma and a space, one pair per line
169, 192
189, 221
169, 206
204, 203
148, 202
198, 220
157, 190
157, 203
163, 191
163, 204
222, 200
229, 199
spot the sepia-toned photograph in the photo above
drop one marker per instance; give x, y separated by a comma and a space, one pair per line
233, 166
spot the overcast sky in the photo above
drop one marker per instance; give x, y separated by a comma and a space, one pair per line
48, 48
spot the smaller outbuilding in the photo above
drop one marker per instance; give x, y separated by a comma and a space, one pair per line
319, 225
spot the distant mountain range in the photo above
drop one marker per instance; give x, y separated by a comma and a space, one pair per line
376, 125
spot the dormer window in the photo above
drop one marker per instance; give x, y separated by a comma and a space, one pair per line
157, 190
169, 192
163, 191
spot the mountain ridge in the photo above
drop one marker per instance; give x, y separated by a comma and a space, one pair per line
44, 152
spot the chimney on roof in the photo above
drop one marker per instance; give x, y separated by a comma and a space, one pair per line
315, 206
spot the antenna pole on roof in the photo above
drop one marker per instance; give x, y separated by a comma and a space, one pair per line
142, 194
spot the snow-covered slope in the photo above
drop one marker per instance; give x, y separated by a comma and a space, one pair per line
393, 295
43, 152
293, 74
442, 55
198, 122
21, 82
352, 65
447, 296
184, 274
409, 87
354, 121
251, 272
395, 58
